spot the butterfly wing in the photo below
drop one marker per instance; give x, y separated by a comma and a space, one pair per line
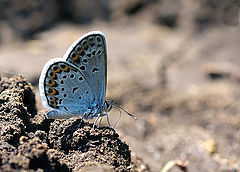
89, 55
76, 83
64, 88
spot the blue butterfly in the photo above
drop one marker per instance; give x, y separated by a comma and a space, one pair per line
75, 85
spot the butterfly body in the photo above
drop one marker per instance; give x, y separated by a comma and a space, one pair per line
75, 85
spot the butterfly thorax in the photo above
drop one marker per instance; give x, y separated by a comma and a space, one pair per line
98, 110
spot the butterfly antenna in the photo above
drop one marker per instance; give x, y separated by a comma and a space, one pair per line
134, 117
119, 116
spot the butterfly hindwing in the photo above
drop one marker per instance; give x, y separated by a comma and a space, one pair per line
66, 89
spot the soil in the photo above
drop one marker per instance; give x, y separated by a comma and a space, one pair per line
31, 142
173, 65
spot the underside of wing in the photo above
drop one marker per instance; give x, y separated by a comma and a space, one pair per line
64, 87
89, 55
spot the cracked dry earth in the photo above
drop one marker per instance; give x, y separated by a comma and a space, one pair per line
30, 142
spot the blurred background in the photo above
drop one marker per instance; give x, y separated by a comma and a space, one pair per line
175, 64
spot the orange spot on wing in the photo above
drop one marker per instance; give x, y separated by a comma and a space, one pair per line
53, 76
53, 91
76, 57
52, 84
80, 51
54, 102
65, 69
57, 70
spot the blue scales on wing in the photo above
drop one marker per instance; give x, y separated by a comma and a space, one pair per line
66, 89
89, 55
76, 84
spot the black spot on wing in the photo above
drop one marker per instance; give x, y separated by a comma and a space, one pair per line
85, 60
95, 69
72, 76
74, 89
82, 67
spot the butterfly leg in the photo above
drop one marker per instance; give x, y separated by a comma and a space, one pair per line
82, 118
108, 121
99, 123
94, 124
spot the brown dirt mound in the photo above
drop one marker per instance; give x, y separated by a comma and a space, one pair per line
29, 141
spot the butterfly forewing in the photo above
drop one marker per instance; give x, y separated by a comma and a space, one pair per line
89, 56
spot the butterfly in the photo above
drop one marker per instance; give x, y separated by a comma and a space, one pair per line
75, 85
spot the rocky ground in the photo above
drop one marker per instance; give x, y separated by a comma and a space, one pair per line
173, 64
